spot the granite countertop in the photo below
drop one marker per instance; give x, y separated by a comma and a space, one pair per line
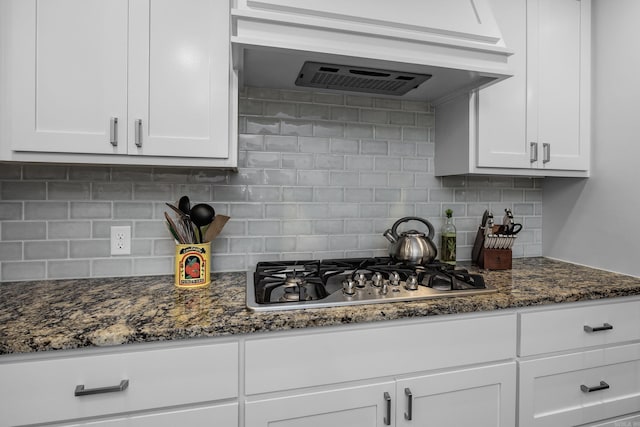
67, 314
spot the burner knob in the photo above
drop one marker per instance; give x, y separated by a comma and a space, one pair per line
411, 283
376, 279
394, 278
384, 288
348, 287
361, 279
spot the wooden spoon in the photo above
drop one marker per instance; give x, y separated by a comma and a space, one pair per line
215, 227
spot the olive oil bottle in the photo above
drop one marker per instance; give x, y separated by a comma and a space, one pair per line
448, 240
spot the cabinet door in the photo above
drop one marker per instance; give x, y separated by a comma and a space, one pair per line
501, 108
362, 406
479, 397
558, 82
69, 75
179, 78
211, 416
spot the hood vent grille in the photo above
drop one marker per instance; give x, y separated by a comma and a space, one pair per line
358, 79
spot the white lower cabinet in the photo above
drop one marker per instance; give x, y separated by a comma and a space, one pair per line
115, 385
450, 372
479, 397
580, 365
210, 416
368, 405
568, 365
627, 421
574, 389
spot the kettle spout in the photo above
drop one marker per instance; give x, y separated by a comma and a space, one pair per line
391, 236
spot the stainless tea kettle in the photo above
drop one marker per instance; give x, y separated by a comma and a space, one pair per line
412, 246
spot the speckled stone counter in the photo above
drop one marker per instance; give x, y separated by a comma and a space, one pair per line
68, 314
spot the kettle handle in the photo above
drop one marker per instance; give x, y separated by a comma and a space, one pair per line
414, 218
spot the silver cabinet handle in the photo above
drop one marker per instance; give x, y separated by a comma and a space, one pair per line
387, 419
409, 414
602, 386
138, 132
604, 327
533, 153
546, 153
113, 131
81, 391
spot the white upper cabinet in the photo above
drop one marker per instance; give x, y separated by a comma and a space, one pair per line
559, 78
119, 82
179, 52
69, 75
503, 142
537, 122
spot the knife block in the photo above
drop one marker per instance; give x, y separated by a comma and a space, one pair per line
495, 259
490, 259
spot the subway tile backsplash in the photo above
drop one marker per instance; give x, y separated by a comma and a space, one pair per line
320, 175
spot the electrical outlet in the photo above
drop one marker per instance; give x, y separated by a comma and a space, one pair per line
121, 240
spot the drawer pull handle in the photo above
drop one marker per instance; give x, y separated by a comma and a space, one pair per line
81, 391
387, 419
409, 414
602, 386
604, 327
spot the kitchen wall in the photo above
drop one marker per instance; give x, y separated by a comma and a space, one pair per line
594, 221
320, 175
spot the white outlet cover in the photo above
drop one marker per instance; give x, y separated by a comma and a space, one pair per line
121, 240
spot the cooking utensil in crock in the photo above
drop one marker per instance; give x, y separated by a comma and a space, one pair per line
215, 227
184, 204
174, 230
185, 222
201, 215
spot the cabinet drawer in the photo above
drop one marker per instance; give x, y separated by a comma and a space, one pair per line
627, 421
564, 329
552, 392
328, 357
44, 390
210, 416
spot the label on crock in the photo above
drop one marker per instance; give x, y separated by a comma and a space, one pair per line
192, 265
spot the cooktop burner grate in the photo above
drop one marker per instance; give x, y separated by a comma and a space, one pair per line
283, 285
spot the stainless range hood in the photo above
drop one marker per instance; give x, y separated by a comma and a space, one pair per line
437, 49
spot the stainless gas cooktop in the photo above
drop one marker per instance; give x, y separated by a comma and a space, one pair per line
287, 285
